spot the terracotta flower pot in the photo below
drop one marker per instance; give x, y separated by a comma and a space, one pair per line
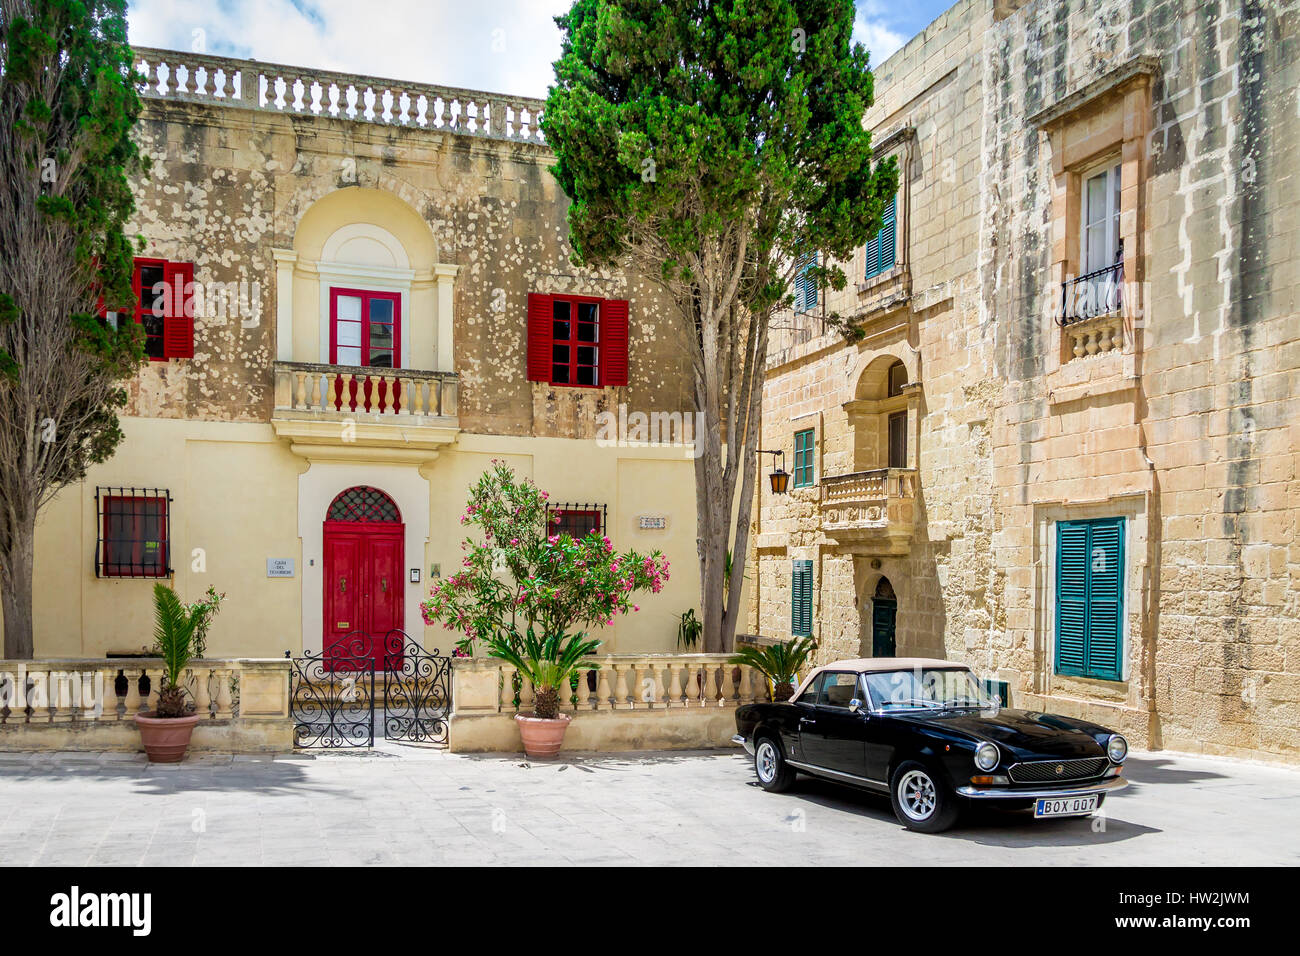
166, 738
542, 735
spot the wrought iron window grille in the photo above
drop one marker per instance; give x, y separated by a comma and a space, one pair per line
577, 520
133, 532
1100, 292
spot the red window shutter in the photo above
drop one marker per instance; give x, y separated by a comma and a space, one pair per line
613, 342
539, 337
178, 324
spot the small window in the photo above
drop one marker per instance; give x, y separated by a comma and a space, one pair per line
577, 521
365, 328
898, 440
897, 378
1090, 598
134, 533
163, 294
801, 599
804, 446
575, 342
1099, 219
880, 251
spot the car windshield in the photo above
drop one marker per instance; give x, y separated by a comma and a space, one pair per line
925, 688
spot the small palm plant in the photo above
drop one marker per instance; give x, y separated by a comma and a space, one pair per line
549, 662
175, 629
779, 663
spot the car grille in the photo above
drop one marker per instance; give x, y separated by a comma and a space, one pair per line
1045, 771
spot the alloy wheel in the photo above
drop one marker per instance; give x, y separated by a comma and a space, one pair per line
916, 795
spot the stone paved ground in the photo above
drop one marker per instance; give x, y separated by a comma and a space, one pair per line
416, 806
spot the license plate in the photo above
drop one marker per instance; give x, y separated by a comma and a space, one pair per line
1064, 806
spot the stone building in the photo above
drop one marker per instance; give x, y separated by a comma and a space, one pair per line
1064, 448
377, 302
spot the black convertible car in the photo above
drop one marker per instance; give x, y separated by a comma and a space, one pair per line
927, 733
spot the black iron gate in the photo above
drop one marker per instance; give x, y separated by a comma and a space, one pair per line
338, 697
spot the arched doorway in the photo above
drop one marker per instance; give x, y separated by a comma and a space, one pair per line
884, 612
363, 585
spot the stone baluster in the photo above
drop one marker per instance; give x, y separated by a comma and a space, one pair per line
622, 695
404, 386
110, 699
674, 684
745, 693
727, 683
300, 391
526, 696
657, 674
346, 393
506, 689
202, 677
692, 685
223, 694
132, 701
149, 700
604, 701
710, 695
315, 391
583, 690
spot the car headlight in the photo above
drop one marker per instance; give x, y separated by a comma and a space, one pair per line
987, 756
1116, 748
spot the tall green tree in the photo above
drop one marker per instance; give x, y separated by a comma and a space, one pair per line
717, 148
68, 103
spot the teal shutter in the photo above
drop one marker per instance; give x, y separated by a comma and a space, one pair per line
881, 246
801, 599
1105, 597
1090, 598
887, 236
1071, 596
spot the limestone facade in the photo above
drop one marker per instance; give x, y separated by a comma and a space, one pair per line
1149, 146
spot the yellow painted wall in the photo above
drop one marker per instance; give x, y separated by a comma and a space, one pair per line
235, 491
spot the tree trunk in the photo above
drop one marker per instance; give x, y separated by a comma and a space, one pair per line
16, 591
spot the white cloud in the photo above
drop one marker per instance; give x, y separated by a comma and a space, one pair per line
505, 46
870, 30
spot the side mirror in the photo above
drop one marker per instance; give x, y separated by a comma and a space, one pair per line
855, 705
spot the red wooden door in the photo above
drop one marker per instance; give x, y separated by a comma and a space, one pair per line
363, 591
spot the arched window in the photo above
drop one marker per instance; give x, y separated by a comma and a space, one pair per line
897, 378
364, 504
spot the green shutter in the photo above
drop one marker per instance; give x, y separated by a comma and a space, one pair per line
801, 598
881, 246
1071, 596
888, 232
1105, 597
1090, 598
803, 458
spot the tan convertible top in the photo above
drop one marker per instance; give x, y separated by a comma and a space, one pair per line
868, 665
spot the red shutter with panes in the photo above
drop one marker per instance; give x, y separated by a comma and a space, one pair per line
178, 325
539, 337
613, 342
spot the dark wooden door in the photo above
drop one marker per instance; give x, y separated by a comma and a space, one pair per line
883, 614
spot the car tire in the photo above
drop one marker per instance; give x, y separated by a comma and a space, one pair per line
774, 774
922, 799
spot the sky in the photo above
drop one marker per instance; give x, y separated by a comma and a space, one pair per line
497, 46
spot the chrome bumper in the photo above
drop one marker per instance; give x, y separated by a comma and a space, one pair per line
1010, 793
740, 739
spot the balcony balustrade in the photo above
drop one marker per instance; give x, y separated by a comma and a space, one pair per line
876, 509
270, 87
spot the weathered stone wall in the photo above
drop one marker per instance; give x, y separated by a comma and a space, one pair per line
925, 313
1186, 427
1191, 432
228, 185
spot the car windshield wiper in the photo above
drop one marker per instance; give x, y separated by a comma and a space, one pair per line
967, 702
930, 704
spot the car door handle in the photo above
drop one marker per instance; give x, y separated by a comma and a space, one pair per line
807, 720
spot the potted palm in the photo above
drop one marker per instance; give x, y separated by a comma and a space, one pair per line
550, 663
779, 663
166, 730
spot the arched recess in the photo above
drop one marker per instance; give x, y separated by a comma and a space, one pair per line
884, 411
373, 241
879, 627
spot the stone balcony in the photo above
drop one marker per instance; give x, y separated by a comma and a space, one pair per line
870, 511
353, 413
